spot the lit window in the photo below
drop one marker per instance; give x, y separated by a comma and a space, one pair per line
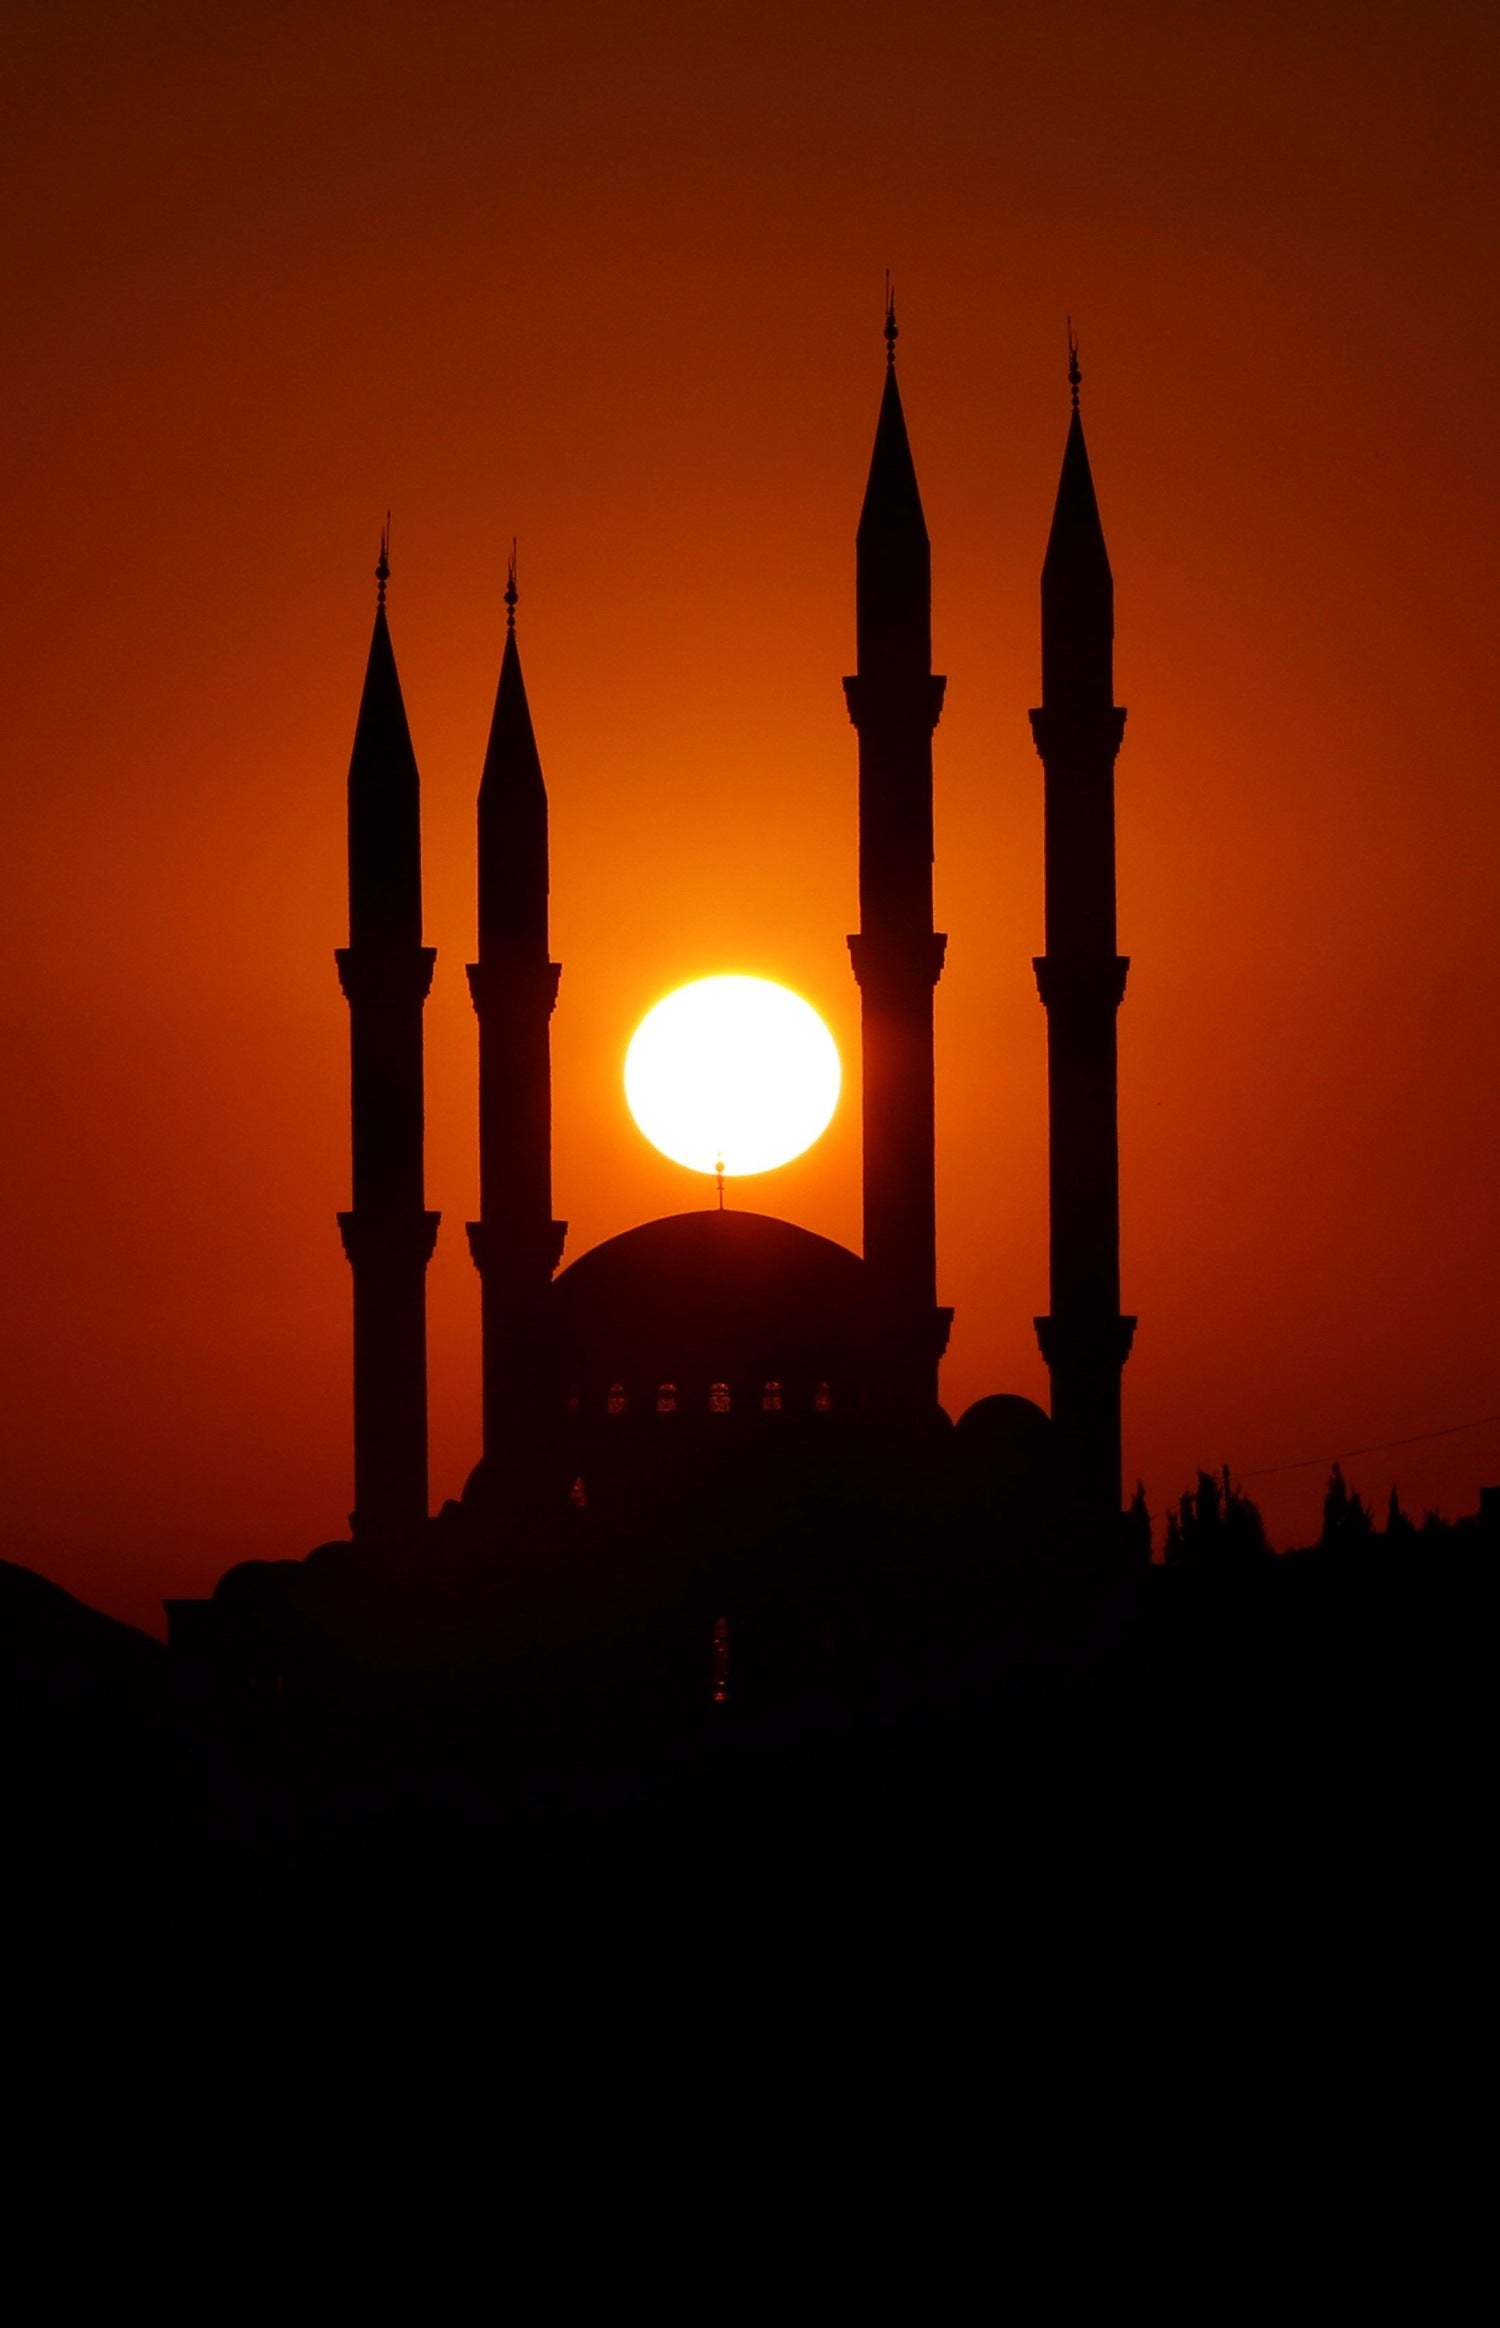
770, 1398
822, 1400
615, 1403
666, 1398
718, 1398
578, 1494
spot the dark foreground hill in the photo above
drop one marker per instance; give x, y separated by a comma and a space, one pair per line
1290, 1735
62, 1658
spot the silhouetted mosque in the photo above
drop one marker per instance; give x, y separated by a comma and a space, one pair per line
724, 1427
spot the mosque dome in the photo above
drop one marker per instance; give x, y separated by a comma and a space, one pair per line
711, 1306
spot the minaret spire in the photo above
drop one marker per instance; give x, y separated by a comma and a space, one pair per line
894, 701
1078, 729
516, 1243
385, 971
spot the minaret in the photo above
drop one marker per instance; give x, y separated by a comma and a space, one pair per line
894, 701
1085, 1341
516, 1243
385, 971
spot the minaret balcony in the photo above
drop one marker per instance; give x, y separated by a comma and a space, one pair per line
895, 699
502, 985
887, 966
507, 1253
372, 975
1085, 1341
1081, 982
378, 1235
1064, 735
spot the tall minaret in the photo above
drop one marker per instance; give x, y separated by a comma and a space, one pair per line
894, 701
516, 1243
385, 970
1078, 729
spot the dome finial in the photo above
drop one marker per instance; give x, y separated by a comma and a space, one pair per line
511, 592
1075, 376
891, 334
383, 565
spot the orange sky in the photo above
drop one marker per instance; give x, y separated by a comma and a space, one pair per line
608, 276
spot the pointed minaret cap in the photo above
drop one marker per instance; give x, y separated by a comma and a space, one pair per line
1078, 618
512, 809
1077, 536
385, 847
892, 505
511, 761
893, 563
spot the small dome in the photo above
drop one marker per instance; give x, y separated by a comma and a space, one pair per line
1007, 1452
1006, 1425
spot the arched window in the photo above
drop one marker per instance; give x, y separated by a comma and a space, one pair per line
666, 1398
770, 1398
615, 1403
822, 1400
718, 1398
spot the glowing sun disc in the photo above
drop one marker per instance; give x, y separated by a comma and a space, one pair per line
733, 1072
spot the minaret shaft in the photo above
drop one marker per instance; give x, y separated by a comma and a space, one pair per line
516, 1244
1085, 1339
388, 1235
894, 702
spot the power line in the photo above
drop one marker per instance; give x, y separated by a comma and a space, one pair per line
1380, 1447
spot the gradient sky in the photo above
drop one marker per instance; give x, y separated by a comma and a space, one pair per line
608, 277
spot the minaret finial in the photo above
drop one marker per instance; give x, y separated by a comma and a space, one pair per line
1075, 377
511, 592
383, 567
891, 334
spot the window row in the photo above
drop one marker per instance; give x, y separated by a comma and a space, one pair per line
772, 1399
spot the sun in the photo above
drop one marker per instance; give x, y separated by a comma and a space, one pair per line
732, 1075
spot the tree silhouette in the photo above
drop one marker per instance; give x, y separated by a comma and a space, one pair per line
1347, 1521
1399, 1529
1137, 1527
1215, 1525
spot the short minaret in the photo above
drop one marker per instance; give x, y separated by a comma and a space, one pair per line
1078, 729
895, 701
385, 971
516, 1243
